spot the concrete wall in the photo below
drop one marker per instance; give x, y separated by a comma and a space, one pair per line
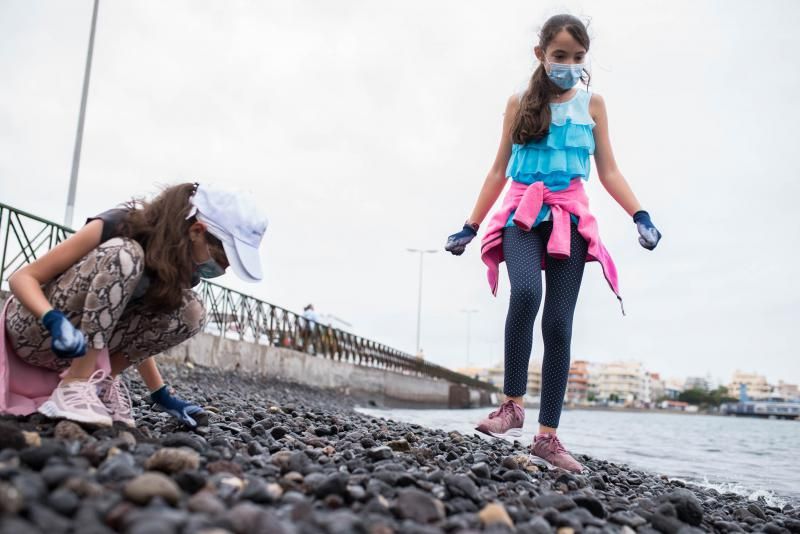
370, 385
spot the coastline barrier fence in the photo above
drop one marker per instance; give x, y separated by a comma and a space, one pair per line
232, 314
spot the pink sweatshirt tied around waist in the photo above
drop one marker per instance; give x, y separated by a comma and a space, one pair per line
528, 200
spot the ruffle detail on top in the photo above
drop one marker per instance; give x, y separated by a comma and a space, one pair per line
529, 164
567, 135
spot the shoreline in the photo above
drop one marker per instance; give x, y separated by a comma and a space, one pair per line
278, 457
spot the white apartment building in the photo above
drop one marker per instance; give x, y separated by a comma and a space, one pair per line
757, 386
624, 381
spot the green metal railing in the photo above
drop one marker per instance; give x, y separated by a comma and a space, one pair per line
232, 314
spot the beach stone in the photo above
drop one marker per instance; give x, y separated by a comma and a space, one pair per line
64, 501
32, 439
627, 518
418, 506
380, 453
11, 500
11, 437
71, 431
592, 504
37, 457
537, 525
173, 460
494, 513
183, 439
206, 502
335, 484
149, 485
117, 468
190, 481
462, 485
47, 520
554, 500
400, 445
481, 470
687, 506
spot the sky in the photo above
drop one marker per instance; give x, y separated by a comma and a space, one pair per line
366, 128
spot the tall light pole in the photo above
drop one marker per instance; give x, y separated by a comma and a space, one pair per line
419, 297
76, 155
469, 317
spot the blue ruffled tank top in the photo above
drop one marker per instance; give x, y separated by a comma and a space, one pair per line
559, 157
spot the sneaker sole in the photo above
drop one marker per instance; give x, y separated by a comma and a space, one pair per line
512, 433
51, 410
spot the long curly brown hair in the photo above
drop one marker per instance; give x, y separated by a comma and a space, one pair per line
532, 121
161, 227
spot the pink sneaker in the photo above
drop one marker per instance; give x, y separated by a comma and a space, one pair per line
548, 447
77, 401
505, 422
114, 394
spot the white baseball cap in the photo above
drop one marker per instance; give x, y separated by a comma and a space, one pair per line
234, 219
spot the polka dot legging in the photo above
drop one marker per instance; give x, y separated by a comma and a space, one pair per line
523, 255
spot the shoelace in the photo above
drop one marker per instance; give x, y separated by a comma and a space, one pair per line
118, 396
505, 407
554, 445
83, 387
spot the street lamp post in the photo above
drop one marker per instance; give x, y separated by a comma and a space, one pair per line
419, 296
469, 313
76, 155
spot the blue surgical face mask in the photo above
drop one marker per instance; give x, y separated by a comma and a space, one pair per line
209, 269
565, 75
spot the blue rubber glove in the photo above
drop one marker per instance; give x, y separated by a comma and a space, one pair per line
175, 406
68, 341
457, 243
649, 236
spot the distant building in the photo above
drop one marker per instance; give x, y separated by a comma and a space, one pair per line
789, 392
757, 386
622, 382
697, 382
654, 388
673, 387
578, 383
535, 378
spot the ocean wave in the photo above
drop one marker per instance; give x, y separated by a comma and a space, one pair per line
767, 496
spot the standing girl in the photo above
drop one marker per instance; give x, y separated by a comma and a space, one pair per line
121, 288
549, 132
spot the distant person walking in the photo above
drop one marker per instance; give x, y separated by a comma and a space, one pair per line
119, 290
544, 223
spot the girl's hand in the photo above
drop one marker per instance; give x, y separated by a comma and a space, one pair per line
649, 236
183, 411
68, 341
457, 243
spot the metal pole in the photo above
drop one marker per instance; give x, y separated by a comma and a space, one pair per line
419, 300
76, 155
419, 295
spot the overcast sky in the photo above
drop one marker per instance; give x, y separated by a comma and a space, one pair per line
367, 127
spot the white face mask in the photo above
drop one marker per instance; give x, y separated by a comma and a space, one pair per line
565, 75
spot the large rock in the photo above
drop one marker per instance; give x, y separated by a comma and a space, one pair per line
494, 513
687, 505
149, 485
418, 506
173, 460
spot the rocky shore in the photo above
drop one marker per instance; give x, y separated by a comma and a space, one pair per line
281, 458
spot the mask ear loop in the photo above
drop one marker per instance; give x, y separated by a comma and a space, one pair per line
587, 70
